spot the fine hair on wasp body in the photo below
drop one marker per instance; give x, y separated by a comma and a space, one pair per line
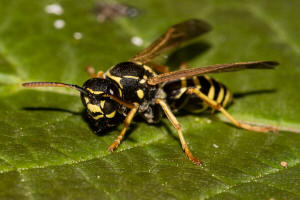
140, 87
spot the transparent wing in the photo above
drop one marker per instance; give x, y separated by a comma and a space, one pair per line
211, 69
175, 35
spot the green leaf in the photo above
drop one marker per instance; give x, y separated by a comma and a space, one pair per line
48, 151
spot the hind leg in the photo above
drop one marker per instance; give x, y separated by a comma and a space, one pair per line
216, 106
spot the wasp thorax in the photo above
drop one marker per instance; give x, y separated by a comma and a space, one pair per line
100, 107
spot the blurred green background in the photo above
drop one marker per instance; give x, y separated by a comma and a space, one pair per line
48, 151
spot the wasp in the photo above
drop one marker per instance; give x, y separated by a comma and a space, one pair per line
139, 87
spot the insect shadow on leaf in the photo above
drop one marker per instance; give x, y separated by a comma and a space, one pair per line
48, 109
238, 95
186, 54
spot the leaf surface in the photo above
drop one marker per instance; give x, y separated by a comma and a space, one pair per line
48, 151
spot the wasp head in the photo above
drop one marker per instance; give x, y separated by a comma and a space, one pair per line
102, 111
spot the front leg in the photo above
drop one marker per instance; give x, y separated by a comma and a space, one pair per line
127, 122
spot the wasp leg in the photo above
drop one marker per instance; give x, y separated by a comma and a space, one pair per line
122, 102
127, 122
177, 126
216, 106
99, 74
91, 71
183, 65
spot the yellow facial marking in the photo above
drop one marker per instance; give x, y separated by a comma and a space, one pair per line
140, 93
145, 77
102, 104
94, 108
86, 100
134, 77
111, 115
115, 78
97, 117
142, 81
94, 92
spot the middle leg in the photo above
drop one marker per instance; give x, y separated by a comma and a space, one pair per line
177, 126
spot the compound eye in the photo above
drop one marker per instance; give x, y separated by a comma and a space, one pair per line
109, 108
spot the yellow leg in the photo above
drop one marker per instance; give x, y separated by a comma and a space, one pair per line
91, 71
127, 122
99, 74
177, 126
216, 106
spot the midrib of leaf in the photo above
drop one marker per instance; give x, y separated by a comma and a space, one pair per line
12, 63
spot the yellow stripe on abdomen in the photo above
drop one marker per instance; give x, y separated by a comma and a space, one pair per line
211, 92
221, 94
228, 98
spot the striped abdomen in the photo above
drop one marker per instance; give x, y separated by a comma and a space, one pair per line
178, 99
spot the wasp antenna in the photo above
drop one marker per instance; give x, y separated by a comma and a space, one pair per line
53, 84
270, 64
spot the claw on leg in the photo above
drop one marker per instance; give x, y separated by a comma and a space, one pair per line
116, 143
191, 157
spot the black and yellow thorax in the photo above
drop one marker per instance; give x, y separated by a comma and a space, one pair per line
131, 79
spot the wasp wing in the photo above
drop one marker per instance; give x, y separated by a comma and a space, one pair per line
175, 35
211, 69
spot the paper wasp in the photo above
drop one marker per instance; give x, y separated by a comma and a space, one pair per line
134, 88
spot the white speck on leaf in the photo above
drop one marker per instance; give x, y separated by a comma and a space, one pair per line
216, 146
55, 9
137, 41
207, 120
284, 164
77, 35
59, 24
